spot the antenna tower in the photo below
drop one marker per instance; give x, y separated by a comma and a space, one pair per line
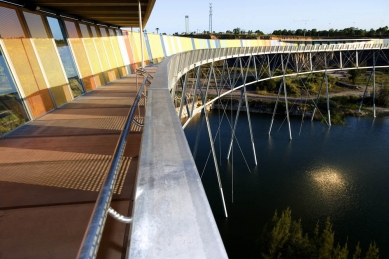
210, 17
187, 24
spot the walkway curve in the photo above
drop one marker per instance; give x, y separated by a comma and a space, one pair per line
172, 216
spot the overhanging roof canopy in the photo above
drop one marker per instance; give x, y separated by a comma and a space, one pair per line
121, 13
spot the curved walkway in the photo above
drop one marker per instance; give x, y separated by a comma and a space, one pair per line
52, 169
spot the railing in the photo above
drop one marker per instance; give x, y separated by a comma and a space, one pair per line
183, 62
91, 241
172, 217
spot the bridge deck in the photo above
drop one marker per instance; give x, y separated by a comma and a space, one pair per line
51, 170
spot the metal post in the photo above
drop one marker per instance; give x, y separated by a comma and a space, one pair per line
255, 69
356, 59
218, 91
236, 121
247, 107
327, 93
268, 65
196, 88
275, 107
222, 74
318, 96
183, 96
374, 60
364, 93
198, 135
235, 72
328, 101
212, 146
286, 94
141, 33
201, 117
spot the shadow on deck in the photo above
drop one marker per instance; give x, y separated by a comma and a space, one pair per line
52, 169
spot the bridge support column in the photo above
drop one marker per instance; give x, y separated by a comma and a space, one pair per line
364, 93
183, 97
328, 101
212, 144
374, 61
196, 88
234, 79
327, 93
285, 92
317, 98
248, 107
236, 121
275, 107
200, 88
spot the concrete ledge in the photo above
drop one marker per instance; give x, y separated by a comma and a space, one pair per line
172, 216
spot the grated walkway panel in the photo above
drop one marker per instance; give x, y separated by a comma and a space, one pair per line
54, 167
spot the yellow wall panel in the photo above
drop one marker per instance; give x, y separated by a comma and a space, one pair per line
156, 47
197, 44
114, 73
177, 43
170, 45
82, 63
134, 46
186, 44
97, 70
232, 43
136, 36
53, 70
103, 58
118, 55
27, 69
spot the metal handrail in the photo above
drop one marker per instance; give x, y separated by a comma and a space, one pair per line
92, 237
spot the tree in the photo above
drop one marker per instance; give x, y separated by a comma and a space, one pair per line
373, 252
236, 30
286, 239
258, 32
353, 75
383, 96
371, 33
326, 242
299, 32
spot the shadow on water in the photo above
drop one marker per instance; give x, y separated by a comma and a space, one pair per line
341, 172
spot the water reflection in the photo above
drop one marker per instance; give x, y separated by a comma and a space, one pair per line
329, 181
337, 171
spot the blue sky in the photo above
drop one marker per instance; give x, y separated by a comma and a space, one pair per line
267, 16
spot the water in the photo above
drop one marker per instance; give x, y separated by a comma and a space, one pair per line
341, 172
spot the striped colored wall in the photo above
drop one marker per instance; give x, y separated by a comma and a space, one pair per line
46, 61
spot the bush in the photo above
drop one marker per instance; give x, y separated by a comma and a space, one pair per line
286, 239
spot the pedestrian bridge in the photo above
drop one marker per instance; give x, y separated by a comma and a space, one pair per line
86, 130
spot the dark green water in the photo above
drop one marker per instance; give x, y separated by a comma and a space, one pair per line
341, 172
